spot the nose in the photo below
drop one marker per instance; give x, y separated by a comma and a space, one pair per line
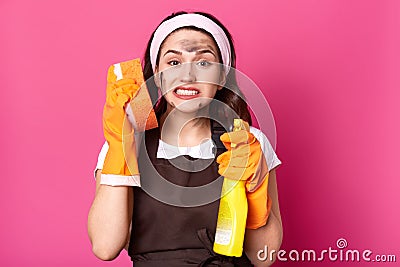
188, 73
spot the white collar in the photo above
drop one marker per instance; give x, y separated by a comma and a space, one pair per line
201, 151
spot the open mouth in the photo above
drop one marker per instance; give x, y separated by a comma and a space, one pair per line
182, 91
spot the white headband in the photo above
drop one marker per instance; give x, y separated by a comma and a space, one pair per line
198, 21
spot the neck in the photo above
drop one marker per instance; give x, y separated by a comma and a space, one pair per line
184, 129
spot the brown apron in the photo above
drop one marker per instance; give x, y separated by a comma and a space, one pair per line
180, 234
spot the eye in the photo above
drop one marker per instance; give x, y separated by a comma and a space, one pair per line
173, 62
203, 63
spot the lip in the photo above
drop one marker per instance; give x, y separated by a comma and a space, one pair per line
186, 97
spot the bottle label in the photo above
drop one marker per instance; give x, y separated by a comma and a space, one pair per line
223, 237
223, 232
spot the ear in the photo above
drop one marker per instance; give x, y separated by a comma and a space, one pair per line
222, 80
157, 80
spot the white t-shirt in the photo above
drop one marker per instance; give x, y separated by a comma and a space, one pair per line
204, 150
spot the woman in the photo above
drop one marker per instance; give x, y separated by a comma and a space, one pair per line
154, 232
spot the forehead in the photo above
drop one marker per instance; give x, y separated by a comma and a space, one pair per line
189, 40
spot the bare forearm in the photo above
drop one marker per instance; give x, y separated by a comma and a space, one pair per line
269, 236
109, 220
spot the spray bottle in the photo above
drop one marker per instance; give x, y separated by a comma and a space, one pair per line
232, 214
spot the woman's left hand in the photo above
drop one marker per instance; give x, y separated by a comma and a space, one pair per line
243, 160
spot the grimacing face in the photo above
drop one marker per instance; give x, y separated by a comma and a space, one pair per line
188, 72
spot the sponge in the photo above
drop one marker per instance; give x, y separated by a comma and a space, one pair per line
140, 110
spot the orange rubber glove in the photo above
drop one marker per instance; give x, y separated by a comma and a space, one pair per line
259, 206
244, 160
121, 160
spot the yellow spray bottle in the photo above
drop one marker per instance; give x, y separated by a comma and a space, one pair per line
232, 214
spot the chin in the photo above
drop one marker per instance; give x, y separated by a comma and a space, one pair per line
194, 105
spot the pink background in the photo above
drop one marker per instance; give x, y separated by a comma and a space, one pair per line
330, 72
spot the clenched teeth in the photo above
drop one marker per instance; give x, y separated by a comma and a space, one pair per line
186, 92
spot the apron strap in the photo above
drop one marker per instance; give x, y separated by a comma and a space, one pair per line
216, 131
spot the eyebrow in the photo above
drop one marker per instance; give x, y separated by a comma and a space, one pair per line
198, 52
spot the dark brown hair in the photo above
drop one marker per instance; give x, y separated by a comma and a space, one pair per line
232, 97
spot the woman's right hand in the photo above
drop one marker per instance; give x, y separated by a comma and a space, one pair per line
118, 131
119, 94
